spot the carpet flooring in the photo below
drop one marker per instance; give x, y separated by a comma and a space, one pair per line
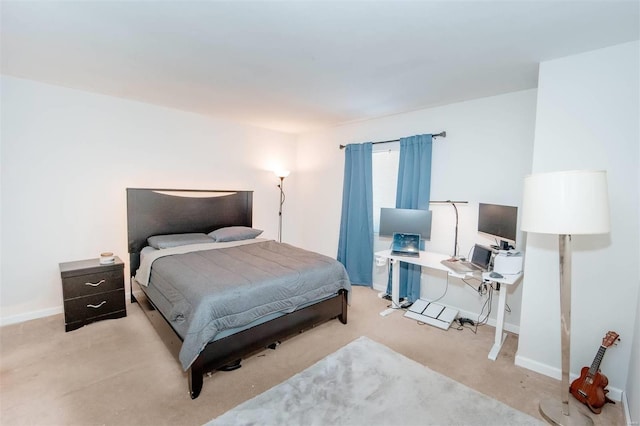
366, 383
119, 372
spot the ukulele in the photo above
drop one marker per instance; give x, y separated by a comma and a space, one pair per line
589, 388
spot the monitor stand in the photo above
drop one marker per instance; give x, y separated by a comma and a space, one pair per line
431, 313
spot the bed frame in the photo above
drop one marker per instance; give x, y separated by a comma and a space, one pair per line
169, 211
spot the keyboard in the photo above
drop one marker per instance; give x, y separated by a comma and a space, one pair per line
461, 266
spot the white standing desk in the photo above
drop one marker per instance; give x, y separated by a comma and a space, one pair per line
432, 260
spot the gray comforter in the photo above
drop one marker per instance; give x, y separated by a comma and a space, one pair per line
227, 288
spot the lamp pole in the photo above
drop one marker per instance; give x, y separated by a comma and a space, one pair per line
281, 186
552, 411
455, 241
281, 174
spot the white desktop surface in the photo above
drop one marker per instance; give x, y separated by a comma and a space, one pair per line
427, 258
508, 279
432, 260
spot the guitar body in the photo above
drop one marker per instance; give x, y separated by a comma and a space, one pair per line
590, 390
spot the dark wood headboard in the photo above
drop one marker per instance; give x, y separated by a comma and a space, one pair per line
175, 211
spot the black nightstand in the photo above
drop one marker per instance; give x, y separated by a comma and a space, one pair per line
92, 292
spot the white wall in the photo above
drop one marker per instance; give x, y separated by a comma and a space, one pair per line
632, 390
484, 158
587, 118
67, 157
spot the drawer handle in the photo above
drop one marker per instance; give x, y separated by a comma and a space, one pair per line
97, 306
95, 284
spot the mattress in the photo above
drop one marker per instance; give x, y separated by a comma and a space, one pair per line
208, 293
162, 304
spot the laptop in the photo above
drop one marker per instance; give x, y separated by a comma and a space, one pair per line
480, 261
405, 245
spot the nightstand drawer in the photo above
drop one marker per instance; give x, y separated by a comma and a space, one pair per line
85, 308
83, 285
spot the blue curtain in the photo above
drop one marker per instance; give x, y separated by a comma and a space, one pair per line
413, 192
355, 247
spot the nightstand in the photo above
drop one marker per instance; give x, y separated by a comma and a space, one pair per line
92, 292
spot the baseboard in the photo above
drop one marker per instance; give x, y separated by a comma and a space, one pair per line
538, 367
614, 393
42, 313
379, 288
27, 316
515, 329
553, 372
625, 407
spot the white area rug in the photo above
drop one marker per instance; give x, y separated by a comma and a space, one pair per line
366, 383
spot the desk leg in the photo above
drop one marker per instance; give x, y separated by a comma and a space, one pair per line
395, 285
500, 336
395, 288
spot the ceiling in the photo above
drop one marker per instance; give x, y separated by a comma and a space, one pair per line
295, 66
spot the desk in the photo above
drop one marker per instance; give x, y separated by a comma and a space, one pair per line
432, 260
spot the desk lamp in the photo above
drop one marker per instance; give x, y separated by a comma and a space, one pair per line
453, 204
565, 203
281, 174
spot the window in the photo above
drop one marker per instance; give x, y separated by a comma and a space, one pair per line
385, 161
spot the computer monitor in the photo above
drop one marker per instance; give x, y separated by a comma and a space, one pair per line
500, 222
406, 221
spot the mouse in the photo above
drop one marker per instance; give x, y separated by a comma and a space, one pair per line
495, 275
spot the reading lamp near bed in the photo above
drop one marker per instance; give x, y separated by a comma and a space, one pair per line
281, 174
565, 203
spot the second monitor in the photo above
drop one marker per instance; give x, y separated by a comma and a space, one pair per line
406, 221
500, 222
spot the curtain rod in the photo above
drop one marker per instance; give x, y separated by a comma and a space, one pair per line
448, 202
437, 135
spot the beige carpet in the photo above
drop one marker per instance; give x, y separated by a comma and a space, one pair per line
366, 383
118, 372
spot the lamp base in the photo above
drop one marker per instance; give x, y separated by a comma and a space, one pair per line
551, 410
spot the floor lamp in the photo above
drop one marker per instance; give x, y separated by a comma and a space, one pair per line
565, 203
281, 174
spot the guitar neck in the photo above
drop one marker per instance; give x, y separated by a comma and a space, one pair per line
595, 365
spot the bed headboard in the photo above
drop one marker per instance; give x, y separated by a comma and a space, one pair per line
174, 211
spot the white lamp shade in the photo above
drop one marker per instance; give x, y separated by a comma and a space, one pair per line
568, 202
282, 173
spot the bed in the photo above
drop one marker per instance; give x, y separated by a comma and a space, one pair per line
152, 212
